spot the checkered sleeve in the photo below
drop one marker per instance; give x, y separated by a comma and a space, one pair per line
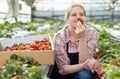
60, 52
92, 42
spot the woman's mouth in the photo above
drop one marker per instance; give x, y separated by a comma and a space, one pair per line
80, 19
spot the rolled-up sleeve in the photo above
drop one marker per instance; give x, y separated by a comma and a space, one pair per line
60, 52
92, 42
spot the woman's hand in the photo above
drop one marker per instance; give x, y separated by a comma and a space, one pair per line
80, 30
92, 65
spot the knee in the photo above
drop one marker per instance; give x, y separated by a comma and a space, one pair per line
84, 74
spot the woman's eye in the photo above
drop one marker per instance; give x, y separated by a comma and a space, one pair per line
81, 15
73, 14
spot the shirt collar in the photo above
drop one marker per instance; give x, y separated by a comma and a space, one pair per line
66, 32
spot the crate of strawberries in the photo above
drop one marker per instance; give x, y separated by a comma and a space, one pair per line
37, 47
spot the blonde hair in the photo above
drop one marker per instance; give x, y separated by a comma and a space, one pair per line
70, 8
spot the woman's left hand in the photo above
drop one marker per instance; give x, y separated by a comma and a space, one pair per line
95, 65
92, 65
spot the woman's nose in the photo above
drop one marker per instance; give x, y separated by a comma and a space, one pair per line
78, 16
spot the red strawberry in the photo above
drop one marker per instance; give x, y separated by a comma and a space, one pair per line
80, 19
101, 73
44, 40
33, 45
37, 41
7, 49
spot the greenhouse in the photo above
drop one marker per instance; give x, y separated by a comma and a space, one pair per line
30, 50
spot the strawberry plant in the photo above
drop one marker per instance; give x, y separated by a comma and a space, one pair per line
18, 67
111, 71
107, 48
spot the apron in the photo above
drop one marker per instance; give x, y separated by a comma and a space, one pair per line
54, 72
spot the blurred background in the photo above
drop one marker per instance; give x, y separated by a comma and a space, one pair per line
27, 10
22, 18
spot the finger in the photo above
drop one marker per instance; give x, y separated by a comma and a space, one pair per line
78, 25
81, 25
92, 71
98, 69
93, 66
86, 64
96, 64
77, 30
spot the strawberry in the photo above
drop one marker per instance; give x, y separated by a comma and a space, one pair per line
44, 40
80, 19
101, 73
7, 49
45, 46
37, 41
33, 45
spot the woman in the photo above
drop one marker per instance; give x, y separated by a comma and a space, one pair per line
75, 46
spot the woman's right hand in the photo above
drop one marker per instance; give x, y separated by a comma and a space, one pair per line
92, 64
80, 30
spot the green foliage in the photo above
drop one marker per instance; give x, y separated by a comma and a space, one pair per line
36, 73
105, 24
17, 66
22, 60
103, 35
5, 34
111, 71
107, 47
10, 68
31, 28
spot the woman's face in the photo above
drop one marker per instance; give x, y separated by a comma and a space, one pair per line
76, 12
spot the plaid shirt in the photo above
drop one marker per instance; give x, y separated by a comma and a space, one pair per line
62, 37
